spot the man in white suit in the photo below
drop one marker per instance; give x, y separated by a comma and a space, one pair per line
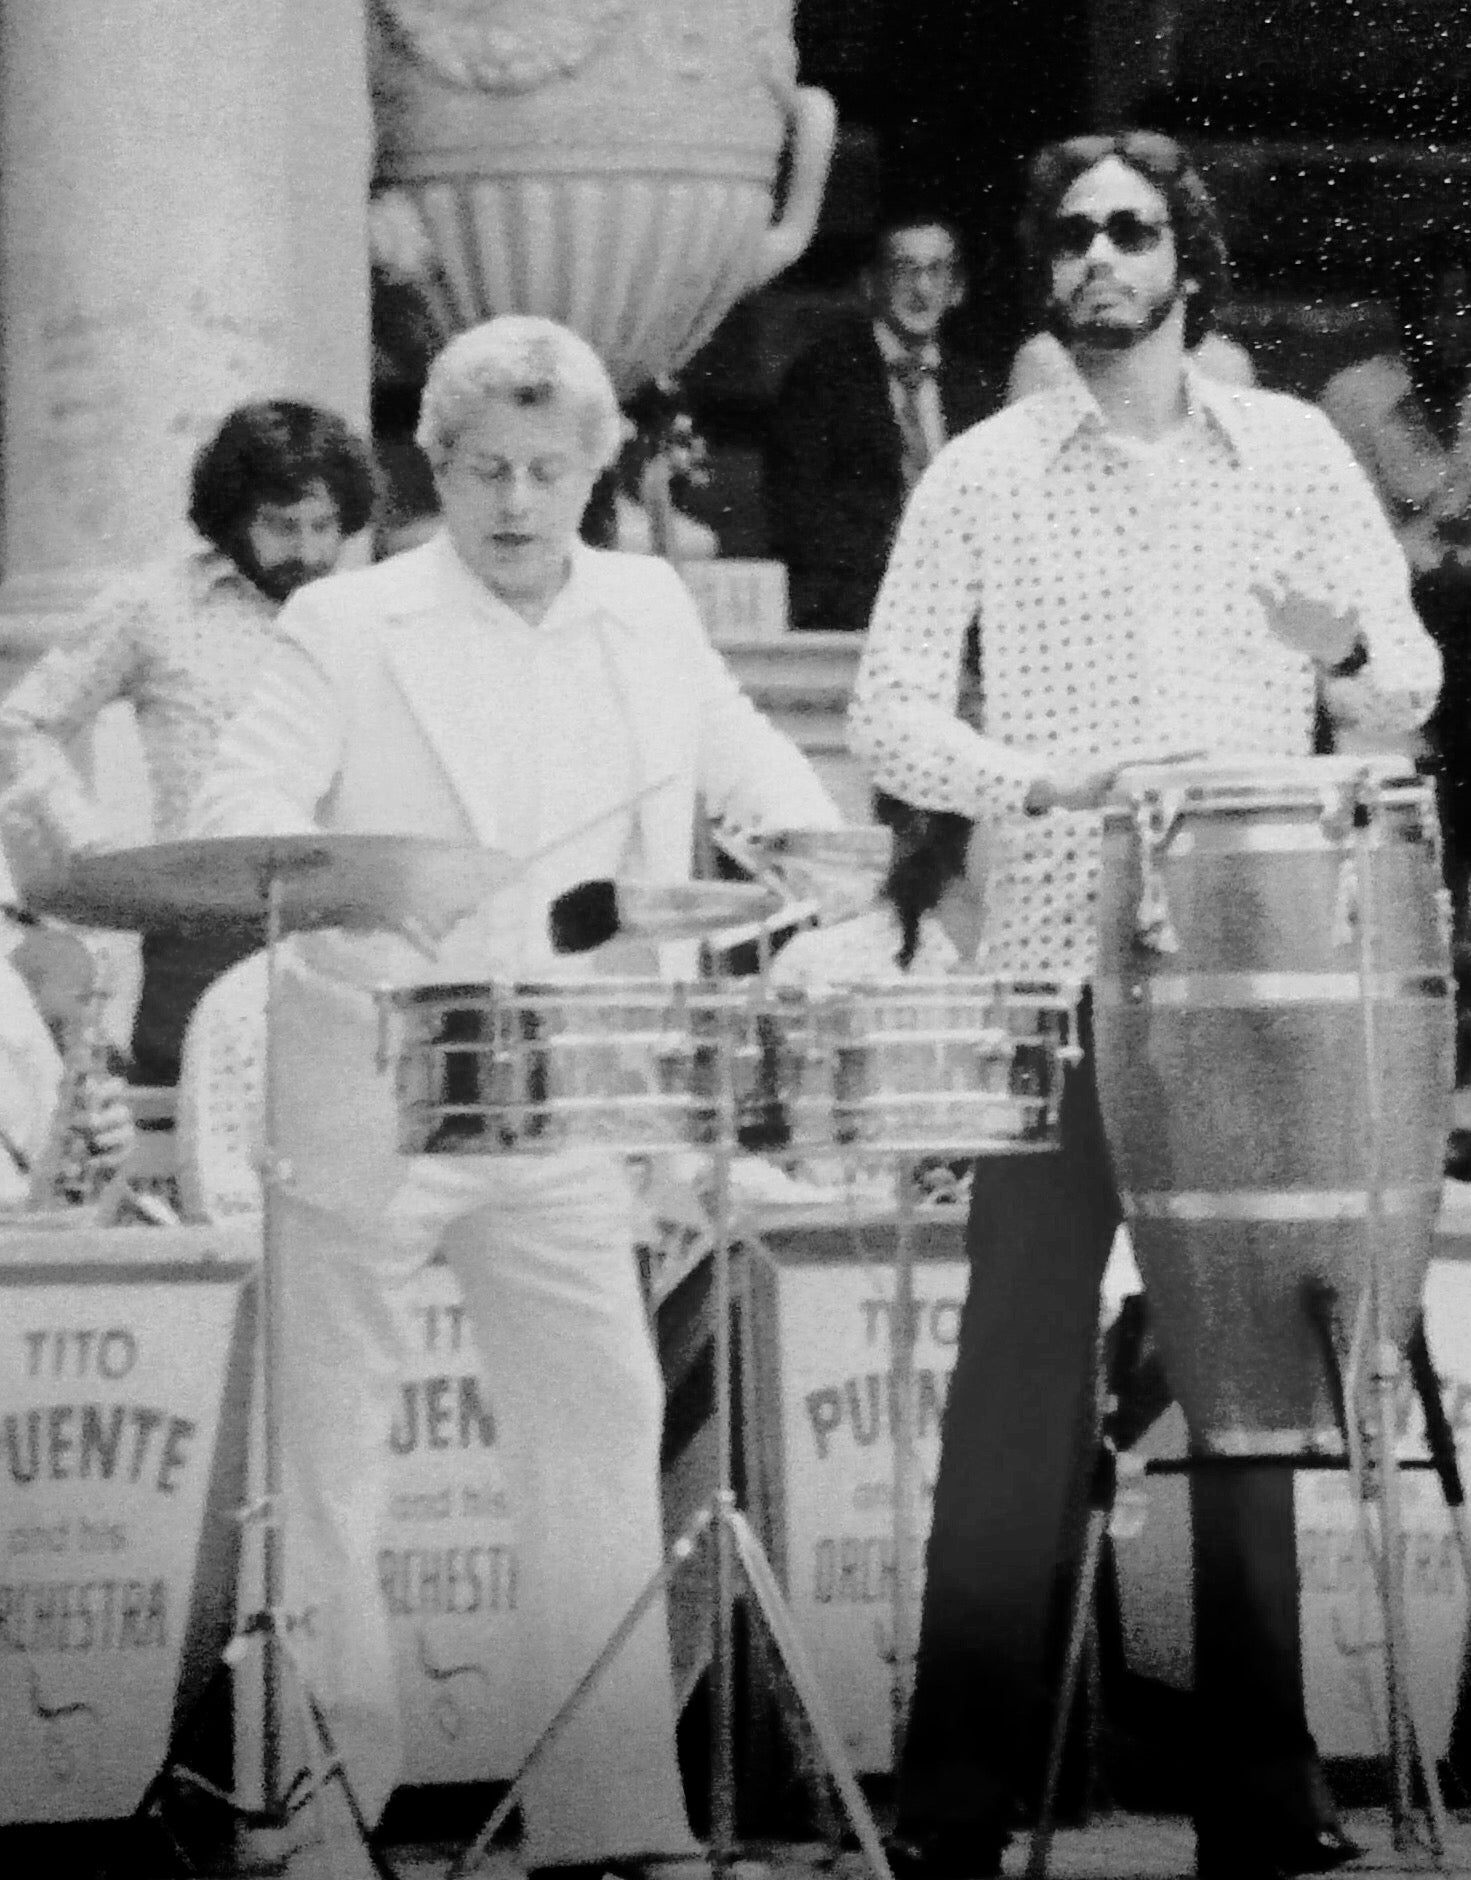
507, 685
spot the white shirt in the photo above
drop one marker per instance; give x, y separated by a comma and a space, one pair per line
182, 640
1112, 590
558, 739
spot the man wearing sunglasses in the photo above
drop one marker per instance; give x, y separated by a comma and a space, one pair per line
1152, 566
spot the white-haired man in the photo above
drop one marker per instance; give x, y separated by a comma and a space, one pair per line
503, 684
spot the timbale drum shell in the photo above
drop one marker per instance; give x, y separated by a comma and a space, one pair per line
1233, 1074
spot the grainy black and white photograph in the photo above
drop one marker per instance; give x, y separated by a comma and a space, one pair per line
735, 939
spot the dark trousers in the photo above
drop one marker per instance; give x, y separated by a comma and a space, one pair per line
177, 969
1009, 1514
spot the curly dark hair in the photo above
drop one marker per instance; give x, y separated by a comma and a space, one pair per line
928, 854
1200, 244
273, 451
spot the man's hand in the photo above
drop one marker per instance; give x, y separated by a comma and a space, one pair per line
48, 819
106, 1120
442, 898
1323, 631
1088, 782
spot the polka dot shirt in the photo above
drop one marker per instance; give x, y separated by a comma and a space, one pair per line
183, 641
1111, 585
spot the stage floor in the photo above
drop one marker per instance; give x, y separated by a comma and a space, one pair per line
1115, 1846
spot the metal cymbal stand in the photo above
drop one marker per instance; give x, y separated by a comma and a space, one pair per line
266, 1822
722, 1526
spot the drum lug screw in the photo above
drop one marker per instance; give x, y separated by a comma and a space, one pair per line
382, 998
1346, 902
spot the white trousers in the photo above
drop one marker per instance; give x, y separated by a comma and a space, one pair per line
542, 1247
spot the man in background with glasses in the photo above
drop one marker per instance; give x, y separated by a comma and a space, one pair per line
1152, 566
859, 416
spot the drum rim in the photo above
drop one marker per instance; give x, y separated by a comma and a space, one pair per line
502, 992
1284, 768
1405, 793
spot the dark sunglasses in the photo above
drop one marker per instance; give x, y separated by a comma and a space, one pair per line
1128, 231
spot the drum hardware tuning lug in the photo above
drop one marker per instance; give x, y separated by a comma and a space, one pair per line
1336, 811
1445, 915
674, 1063
382, 1000
1156, 816
1346, 902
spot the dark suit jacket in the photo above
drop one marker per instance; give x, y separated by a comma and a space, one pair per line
834, 488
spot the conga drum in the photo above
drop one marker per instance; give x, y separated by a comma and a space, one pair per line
1273, 1034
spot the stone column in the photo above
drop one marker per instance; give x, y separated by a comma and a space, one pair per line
182, 226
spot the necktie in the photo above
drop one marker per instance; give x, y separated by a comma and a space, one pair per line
909, 376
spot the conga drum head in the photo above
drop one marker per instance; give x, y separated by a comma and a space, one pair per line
1260, 782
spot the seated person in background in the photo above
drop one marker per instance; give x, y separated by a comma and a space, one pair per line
1042, 361
858, 417
1406, 415
33, 1030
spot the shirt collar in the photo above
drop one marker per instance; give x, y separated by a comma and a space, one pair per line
581, 596
896, 353
1069, 409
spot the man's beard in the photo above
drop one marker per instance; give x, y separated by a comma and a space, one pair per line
278, 582
1087, 334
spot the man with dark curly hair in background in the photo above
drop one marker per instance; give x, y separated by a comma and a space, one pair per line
275, 494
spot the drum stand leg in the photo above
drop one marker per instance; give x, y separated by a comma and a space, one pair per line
1374, 1468
1101, 1491
724, 1527
902, 1333
1442, 1444
1375, 1464
266, 1823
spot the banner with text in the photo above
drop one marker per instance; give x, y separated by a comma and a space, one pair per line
828, 1397
117, 1546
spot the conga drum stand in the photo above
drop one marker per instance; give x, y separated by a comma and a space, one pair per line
721, 1528
1363, 1401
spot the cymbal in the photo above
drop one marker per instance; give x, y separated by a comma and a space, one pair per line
363, 882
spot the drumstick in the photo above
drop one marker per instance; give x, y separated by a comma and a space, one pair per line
593, 822
423, 937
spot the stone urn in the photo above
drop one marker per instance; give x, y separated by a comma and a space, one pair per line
612, 164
